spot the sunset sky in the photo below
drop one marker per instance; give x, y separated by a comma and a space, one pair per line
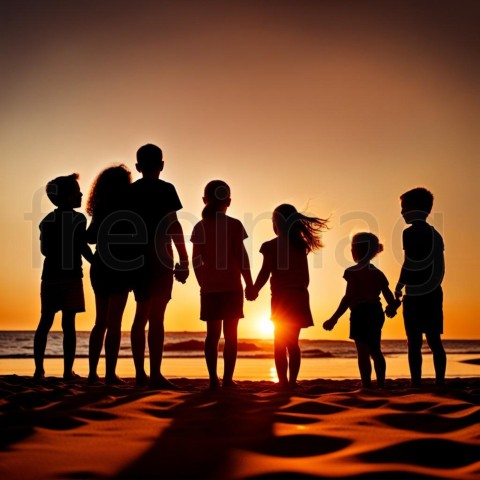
337, 107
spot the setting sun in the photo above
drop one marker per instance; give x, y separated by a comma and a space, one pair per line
266, 326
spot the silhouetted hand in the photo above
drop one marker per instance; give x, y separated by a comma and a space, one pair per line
181, 272
391, 309
251, 293
329, 324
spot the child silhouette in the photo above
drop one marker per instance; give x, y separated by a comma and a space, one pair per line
365, 282
220, 261
285, 263
156, 203
62, 242
110, 278
421, 275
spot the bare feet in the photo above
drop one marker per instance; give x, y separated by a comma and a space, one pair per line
214, 384
39, 375
93, 378
294, 386
229, 384
282, 385
70, 376
161, 383
142, 380
115, 380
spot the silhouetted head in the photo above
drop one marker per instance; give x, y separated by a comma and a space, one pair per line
301, 230
65, 191
416, 204
216, 197
284, 216
365, 246
109, 190
149, 159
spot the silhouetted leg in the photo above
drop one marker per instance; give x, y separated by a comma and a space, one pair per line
230, 328
280, 355
364, 364
294, 355
69, 343
116, 306
439, 357
40, 342
214, 330
380, 366
97, 336
415, 341
137, 339
156, 337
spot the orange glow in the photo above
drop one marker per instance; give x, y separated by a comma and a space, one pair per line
265, 327
335, 110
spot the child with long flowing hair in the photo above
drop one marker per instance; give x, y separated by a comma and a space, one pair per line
285, 263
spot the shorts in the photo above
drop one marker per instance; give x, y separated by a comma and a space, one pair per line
423, 313
64, 294
366, 322
150, 283
292, 306
221, 306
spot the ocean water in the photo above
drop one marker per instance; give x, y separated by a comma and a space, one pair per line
183, 357
19, 344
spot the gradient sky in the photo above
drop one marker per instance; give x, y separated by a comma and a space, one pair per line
337, 107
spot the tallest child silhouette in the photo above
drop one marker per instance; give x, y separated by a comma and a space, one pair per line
156, 202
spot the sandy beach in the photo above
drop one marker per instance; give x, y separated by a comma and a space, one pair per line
325, 429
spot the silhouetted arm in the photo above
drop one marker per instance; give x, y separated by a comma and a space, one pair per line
388, 295
245, 268
342, 308
197, 262
44, 241
398, 290
263, 274
175, 231
87, 253
392, 302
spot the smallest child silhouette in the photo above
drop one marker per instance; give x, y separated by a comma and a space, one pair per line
365, 282
62, 242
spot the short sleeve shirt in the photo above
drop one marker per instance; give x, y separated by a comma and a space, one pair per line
220, 243
62, 239
424, 267
153, 200
288, 264
364, 284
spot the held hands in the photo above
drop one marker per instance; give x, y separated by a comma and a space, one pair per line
251, 293
181, 271
329, 324
391, 309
